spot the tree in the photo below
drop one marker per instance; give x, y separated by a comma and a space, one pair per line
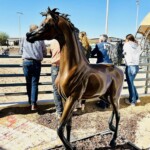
3, 38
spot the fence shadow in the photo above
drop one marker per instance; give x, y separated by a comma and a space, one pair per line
42, 109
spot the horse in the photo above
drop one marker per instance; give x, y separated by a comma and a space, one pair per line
77, 79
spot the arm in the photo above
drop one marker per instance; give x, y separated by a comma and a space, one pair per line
44, 49
94, 51
21, 46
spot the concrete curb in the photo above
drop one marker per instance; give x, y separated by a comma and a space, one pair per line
25, 103
51, 101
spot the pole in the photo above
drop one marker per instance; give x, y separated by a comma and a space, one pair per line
19, 27
137, 14
106, 25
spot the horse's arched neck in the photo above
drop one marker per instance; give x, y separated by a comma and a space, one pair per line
60, 38
71, 54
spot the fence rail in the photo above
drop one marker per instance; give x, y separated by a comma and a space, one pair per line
19, 65
22, 75
24, 93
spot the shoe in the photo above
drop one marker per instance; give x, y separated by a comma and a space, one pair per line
132, 104
82, 107
138, 101
127, 101
33, 107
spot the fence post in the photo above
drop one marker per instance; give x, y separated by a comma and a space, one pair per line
147, 75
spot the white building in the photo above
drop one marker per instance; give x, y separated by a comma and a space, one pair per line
13, 41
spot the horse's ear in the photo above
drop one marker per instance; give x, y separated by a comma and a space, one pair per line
48, 10
54, 10
43, 13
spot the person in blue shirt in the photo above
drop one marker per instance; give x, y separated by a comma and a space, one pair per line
102, 50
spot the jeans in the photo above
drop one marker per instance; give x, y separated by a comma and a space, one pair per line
32, 70
131, 72
57, 97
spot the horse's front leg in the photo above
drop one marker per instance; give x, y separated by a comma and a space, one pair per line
66, 116
68, 128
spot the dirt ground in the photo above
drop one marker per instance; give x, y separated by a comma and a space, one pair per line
134, 124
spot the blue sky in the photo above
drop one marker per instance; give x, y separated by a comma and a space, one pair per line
87, 15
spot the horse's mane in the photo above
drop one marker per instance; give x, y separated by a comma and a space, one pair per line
65, 16
55, 14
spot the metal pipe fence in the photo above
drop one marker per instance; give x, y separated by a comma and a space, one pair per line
142, 80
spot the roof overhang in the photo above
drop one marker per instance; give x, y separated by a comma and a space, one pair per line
144, 27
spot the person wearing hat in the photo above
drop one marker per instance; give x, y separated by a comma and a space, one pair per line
32, 55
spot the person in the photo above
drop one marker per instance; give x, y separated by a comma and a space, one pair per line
85, 44
101, 49
131, 51
5, 51
32, 54
55, 62
119, 46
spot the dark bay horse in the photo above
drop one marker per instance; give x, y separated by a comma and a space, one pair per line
77, 79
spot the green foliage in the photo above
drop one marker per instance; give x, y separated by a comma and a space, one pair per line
3, 38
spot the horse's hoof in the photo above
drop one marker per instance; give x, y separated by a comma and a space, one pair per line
112, 143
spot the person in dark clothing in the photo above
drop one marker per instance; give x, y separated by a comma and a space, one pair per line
119, 52
101, 49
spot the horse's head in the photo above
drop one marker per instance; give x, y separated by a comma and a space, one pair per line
48, 29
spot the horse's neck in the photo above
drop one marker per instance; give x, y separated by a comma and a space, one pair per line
71, 54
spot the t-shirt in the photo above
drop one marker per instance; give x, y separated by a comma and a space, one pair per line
34, 50
55, 51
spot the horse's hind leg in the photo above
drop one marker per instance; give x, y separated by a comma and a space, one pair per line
67, 113
115, 112
110, 122
114, 129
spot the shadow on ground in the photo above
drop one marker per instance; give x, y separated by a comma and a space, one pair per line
126, 146
42, 109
